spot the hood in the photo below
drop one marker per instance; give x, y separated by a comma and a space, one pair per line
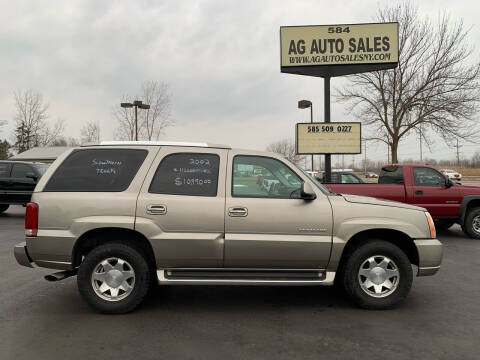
464, 186
381, 202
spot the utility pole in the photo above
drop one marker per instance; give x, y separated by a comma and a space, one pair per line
365, 162
420, 135
458, 153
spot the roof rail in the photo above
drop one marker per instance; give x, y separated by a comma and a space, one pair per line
158, 143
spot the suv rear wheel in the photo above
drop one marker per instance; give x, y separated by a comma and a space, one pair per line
377, 275
3, 207
114, 278
471, 226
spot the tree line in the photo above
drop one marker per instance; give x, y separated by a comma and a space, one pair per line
34, 127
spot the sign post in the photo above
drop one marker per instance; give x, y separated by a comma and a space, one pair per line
335, 50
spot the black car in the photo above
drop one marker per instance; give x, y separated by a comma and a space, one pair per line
341, 177
17, 181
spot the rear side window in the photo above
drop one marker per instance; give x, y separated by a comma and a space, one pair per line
97, 170
187, 174
5, 169
391, 175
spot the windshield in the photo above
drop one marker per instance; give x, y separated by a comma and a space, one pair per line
41, 168
315, 181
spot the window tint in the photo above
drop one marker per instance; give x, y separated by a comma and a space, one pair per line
97, 170
256, 176
187, 174
21, 170
5, 169
350, 179
391, 175
428, 177
41, 168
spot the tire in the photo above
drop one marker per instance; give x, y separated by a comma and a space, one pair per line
3, 207
471, 226
444, 224
110, 266
363, 260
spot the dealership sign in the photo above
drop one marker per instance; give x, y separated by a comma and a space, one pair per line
334, 50
329, 138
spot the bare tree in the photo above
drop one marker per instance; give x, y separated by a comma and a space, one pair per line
435, 86
157, 118
151, 122
286, 148
29, 118
90, 132
47, 136
126, 121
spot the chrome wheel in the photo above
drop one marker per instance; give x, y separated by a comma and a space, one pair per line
113, 279
476, 224
378, 276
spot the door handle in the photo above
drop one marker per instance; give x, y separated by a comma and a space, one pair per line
418, 192
238, 211
156, 209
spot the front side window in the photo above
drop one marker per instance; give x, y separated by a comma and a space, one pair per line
41, 168
21, 170
350, 179
264, 177
102, 170
190, 174
427, 177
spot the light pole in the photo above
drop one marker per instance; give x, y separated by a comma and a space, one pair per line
136, 104
305, 104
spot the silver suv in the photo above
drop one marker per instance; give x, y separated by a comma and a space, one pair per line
124, 216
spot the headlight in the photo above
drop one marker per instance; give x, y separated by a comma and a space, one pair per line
431, 225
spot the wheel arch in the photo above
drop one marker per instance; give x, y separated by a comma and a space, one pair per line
468, 202
95, 237
396, 237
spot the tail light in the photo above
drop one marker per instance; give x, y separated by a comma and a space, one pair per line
31, 220
265, 182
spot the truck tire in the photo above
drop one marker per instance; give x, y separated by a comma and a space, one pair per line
377, 275
444, 224
114, 278
3, 207
471, 226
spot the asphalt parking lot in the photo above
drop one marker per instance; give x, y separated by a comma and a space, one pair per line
439, 320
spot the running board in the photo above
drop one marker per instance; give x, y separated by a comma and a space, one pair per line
245, 277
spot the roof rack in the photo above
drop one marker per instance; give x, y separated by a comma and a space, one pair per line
159, 143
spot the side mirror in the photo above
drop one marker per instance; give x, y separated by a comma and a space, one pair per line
31, 175
448, 183
307, 192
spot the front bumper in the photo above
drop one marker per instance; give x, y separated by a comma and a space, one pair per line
21, 255
430, 253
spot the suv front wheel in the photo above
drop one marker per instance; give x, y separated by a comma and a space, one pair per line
377, 275
114, 278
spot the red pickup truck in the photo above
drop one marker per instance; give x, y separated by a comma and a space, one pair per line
424, 186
